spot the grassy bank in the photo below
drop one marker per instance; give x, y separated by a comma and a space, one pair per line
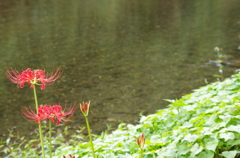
204, 124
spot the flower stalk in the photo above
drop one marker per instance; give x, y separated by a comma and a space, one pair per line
50, 138
39, 125
85, 109
90, 136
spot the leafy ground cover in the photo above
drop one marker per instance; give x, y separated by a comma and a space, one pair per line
203, 124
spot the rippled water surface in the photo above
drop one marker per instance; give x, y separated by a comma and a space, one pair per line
126, 56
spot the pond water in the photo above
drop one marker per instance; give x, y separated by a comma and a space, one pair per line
125, 56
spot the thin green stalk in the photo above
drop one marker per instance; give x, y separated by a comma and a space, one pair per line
90, 136
39, 126
35, 97
141, 153
50, 138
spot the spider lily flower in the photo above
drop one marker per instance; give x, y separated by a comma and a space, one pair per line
59, 114
29, 113
32, 77
85, 108
54, 113
141, 141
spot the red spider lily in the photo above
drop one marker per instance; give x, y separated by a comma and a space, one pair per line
29, 113
32, 77
59, 114
141, 141
53, 113
85, 108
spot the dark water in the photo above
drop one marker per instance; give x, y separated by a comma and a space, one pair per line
126, 56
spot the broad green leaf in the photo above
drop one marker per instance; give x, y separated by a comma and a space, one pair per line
234, 128
169, 151
230, 154
183, 148
196, 149
206, 154
190, 137
227, 136
232, 142
211, 144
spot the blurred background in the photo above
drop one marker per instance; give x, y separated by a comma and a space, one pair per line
125, 56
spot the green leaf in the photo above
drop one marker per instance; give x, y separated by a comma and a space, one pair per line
234, 128
169, 151
227, 136
206, 154
183, 148
191, 137
8, 141
211, 144
230, 154
196, 149
232, 142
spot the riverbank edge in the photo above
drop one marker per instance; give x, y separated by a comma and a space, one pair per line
203, 124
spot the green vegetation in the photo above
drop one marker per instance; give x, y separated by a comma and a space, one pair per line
204, 124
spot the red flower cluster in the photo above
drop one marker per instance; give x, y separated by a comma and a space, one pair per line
54, 113
32, 77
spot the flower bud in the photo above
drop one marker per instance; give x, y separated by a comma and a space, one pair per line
85, 108
141, 141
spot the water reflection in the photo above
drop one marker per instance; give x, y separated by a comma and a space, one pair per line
124, 56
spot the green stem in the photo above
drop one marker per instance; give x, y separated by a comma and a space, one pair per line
141, 153
39, 126
35, 97
90, 136
50, 138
